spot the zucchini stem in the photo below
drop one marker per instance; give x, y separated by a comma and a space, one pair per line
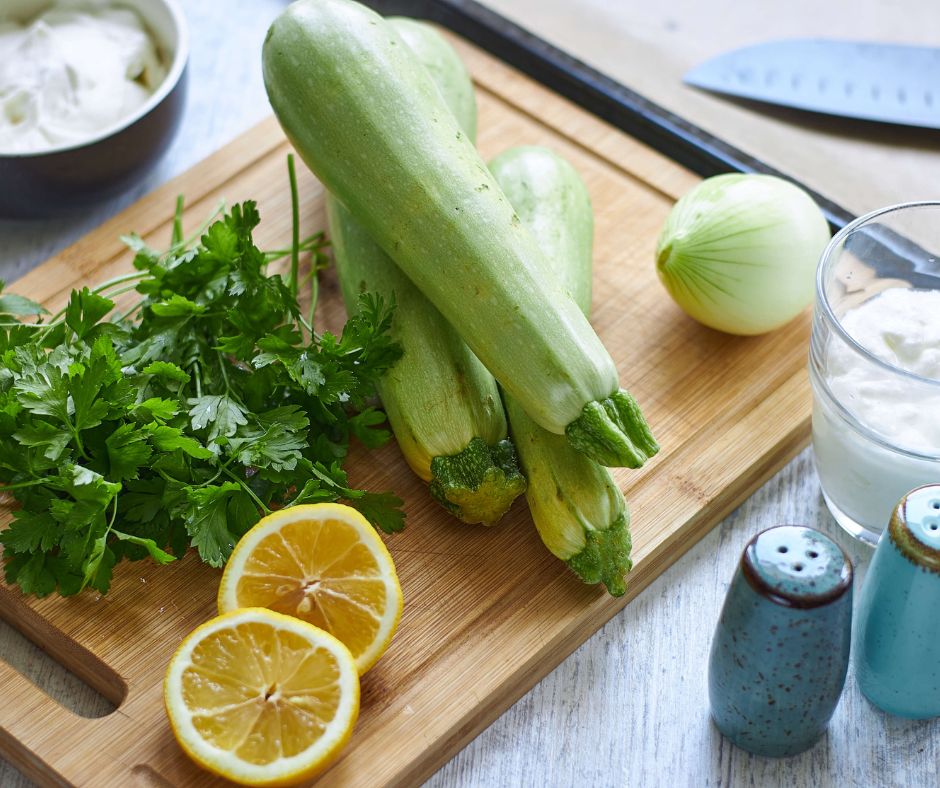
613, 432
605, 557
479, 484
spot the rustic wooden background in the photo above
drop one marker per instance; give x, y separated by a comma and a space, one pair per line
630, 706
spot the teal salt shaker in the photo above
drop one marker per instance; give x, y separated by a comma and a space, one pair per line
897, 632
781, 648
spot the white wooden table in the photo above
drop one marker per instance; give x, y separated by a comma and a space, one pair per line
629, 708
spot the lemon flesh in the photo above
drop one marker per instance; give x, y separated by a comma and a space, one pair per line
323, 564
261, 698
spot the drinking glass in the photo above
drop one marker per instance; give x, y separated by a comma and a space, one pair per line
864, 462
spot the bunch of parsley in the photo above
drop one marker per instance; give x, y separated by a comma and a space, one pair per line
184, 420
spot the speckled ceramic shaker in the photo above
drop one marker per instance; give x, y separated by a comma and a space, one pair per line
781, 648
897, 626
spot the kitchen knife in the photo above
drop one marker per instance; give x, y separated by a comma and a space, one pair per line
890, 83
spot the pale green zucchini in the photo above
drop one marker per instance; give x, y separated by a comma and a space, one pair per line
442, 403
366, 117
576, 505
445, 67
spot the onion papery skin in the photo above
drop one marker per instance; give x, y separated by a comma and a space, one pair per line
739, 252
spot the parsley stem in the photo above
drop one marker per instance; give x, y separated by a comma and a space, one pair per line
54, 318
18, 324
319, 262
248, 490
134, 308
5, 487
98, 291
314, 295
228, 388
89, 573
119, 280
295, 212
126, 289
177, 236
220, 207
218, 473
113, 515
78, 442
178, 245
315, 241
168, 478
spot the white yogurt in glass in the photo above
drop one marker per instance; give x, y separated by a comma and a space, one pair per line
862, 476
875, 368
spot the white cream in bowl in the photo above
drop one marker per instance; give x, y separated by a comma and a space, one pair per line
74, 71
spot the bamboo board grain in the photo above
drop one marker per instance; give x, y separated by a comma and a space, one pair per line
488, 612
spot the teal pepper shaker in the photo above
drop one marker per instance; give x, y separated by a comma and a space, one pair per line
781, 648
897, 633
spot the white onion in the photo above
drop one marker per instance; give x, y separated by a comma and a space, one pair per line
739, 252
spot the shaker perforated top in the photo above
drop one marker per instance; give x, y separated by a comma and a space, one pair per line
796, 566
915, 527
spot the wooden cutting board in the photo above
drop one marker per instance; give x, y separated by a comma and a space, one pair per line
488, 611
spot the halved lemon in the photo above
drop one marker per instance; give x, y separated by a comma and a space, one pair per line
260, 698
322, 563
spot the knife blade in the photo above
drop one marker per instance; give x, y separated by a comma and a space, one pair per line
890, 83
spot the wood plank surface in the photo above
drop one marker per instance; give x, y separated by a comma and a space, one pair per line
488, 612
648, 47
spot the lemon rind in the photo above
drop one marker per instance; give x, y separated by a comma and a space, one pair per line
286, 770
392, 616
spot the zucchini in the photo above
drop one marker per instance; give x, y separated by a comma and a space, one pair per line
576, 505
442, 403
445, 67
366, 117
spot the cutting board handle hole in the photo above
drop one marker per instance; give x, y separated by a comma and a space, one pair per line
73, 677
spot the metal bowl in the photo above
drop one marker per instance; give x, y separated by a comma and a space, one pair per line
72, 178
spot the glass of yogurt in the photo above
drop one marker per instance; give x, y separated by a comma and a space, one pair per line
874, 364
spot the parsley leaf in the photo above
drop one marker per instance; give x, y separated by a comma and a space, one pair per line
167, 372
45, 393
220, 412
85, 310
382, 510
127, 451
30, 532
361, 425
155, 409
165, 438
42, 433
208, 517
182, 422
11, 304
